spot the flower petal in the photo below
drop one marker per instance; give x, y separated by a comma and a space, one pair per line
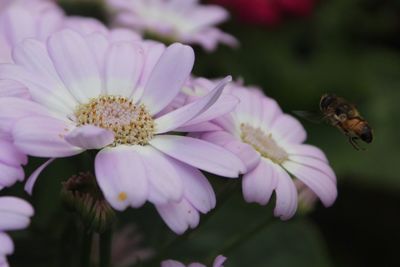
319, 182
249, 156
121, 176
224, 105
90, 137
34, 58
259, 184
168, 77
182, 115
9, 175
288, 129
15, 205
197, 189
6, 247
172, 263
315, 164
43, 137
219, 261
123, 68
179, 216
197, 153
286, 195
10, 155
30, 183
13, 108
75, 64
15, 213
165, 182
306, 150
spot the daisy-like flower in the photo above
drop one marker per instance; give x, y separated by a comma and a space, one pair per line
15, 214
270, 143
21, 19
218, 262
91, 93
183, 21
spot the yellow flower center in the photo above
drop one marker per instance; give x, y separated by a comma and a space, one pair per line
131, 124
263, 143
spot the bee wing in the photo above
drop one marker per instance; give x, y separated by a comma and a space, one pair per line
314, 117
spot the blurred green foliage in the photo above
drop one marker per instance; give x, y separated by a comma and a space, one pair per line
351, 48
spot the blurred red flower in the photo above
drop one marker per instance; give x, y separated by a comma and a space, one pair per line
266, 12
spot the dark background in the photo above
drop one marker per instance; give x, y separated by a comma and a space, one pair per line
347, 47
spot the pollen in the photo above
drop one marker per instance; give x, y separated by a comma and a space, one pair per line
132, 124
263, 143
122, 196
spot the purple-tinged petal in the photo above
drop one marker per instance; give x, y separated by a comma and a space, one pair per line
223, 105
33, 57
200, 154
43, 137
229, 124
288, 129
10, 155
168, 77
124, 65
259, 184
90, 137
75, 64
13, 108
161, 174
249, 156
315, 164
9, 175
30, 183
171, 263
201, 127
197, 189
219, 261
286, 195
39, 88
306, 151
270, 112
319, 182
122, 177
6, 248
9, 88
182, 115
16, 206
179, 216
15, 213
153, 52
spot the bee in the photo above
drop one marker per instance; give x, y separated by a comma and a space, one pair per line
344, 115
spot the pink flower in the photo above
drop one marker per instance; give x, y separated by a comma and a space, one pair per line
15, 214
270, 143
218, 262
21, 19
89, 92
175, 20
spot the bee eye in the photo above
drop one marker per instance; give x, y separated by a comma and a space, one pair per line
366, 134
326, 101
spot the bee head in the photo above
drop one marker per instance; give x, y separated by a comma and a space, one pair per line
366, 134
326, 100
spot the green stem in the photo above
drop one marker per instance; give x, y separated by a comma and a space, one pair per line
240, 239
223, 196
105, 248
86, 248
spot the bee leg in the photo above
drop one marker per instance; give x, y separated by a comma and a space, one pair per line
353, 142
